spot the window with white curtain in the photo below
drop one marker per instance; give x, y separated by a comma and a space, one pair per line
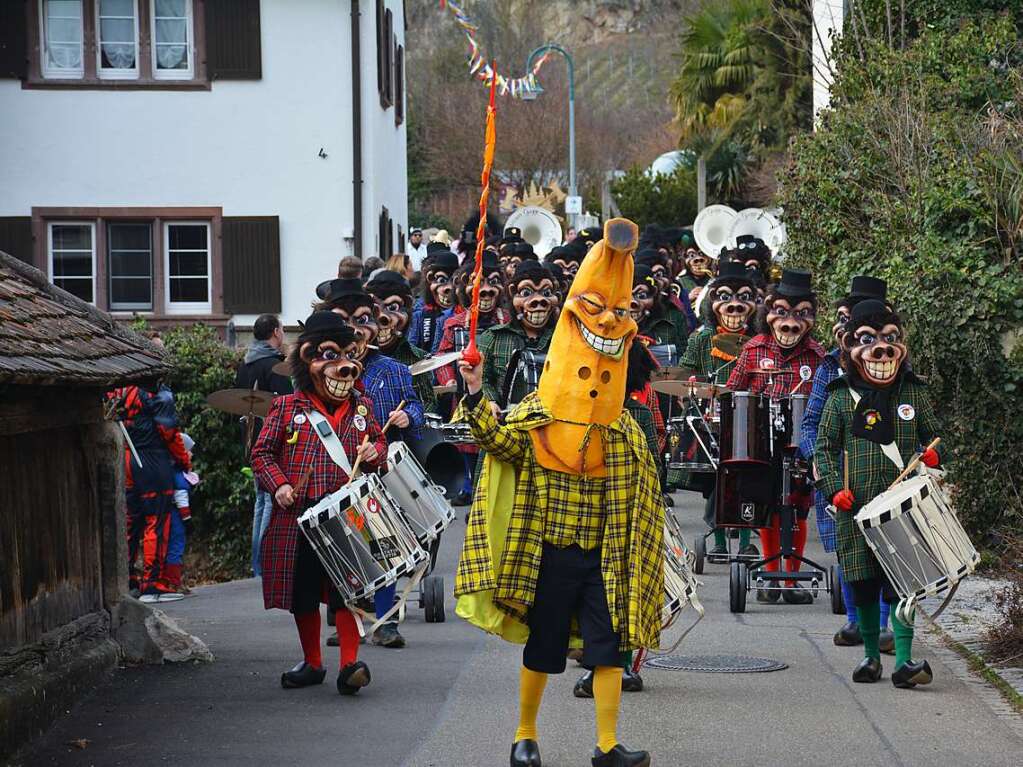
187, 266
130, 266
61, 23
172, 39
72, 251
118, 31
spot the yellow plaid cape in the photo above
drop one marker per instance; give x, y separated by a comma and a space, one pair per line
497, 572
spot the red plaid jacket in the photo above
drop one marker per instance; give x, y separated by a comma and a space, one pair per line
795, 367
284, 450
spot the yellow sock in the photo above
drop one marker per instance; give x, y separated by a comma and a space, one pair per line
531, 684
607, 694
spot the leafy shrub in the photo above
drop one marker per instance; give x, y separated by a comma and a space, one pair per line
903, 180
663, 199
222, 502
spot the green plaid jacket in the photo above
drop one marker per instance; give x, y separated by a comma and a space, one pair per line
663, 331
645, 419
632, 558
407, 354
870, 470
697, 357
497, 345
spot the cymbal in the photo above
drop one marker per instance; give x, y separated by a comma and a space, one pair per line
688, 389
669, 373
450, 388
241, 401
282, 368
434, 362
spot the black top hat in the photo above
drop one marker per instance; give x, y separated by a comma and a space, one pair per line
530, 269
332, 290
511, 234
730, 269
747, 243
648, 256
521, 249
327, 324
644, 275
794, 282
388, 283
864, 287
588, 236
442, 259
436, 247
490, 261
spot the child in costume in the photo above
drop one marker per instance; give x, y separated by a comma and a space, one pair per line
568, 517
184, 481
879, 402
325, 368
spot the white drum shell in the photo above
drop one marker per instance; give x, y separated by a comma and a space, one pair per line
680, 582
917, 538
361, 562
421, 502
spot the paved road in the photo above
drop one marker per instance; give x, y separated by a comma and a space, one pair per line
450, 699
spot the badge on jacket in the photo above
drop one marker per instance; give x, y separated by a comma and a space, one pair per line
360, 422
361, 410
907, 412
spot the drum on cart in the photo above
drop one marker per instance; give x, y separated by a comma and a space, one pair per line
792, 410
692, 449
918, 540
745, 479
362, 539
437, 455
420, 500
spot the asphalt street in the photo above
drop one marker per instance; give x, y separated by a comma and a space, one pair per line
450, 698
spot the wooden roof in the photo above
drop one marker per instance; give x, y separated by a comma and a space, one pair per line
47, 336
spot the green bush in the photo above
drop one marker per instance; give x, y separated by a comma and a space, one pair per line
664, 199
222, 503
906, 178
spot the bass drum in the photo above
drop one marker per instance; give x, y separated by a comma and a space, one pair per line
745, 481
440, 459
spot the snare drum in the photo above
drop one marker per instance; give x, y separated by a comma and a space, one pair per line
795, 409
680, 583
420, 500
362, 539
917, 538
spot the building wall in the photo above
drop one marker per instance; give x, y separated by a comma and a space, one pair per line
250, 147
828, 17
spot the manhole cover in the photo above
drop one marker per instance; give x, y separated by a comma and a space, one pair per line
715, 664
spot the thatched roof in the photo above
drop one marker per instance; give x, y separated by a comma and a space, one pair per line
47, 336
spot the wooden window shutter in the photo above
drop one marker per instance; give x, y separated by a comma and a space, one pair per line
233, 47
381, 44
399, 83
389, 56
251, 248
13, 40
16, 238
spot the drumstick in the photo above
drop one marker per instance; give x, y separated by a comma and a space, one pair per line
845, 469
365, 440
914, 463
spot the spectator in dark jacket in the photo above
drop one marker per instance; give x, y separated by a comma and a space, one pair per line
257, 372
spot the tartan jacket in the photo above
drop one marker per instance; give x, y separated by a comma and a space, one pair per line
698, 358
388, 382
408, 355
284, 450
644, 418
632, 559
663, 331
806, 355
828, 371
452, 338
497, 345
870, 470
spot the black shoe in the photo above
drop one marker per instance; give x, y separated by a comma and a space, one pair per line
911, 674
797, 596
525, 753
749, 550
303, 675
620, 756
353, 678
848, 635
584, 686
869, 671
332, 640
719, 550
631, 681
767, 597
388, 636
886, 642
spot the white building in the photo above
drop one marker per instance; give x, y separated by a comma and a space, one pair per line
201, 159
828, 18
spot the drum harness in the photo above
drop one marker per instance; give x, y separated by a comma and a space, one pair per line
332, 444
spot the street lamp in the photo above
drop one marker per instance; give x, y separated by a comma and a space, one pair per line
532, 94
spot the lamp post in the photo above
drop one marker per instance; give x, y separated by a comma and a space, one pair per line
572, 190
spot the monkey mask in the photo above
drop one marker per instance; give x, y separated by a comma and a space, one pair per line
644, 293
491, 287
438, 286
732, 298
874, 343
394, 304
698, 265
533, 295
583, 382
791, 308
349, 300
325, 359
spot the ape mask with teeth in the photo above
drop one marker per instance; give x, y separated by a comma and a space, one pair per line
533, 296
731, 300
349, 300
438, 278
394, 305
645, 290
791, 309
324, 362
491, 287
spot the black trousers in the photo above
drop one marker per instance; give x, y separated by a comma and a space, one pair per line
570, 585
865, 593
310, 580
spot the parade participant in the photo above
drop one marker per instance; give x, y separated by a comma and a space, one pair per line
660, 265
291, 462
697, 271
456, 338
650, 309
507, 377
562, 283
568, 258
416, 249
729, 312
151, 421
394, 300
514, 255
861, 289
586, 239
878, 404
571, 475
754, 253
181, 519
387, 384
780, 361
438, 298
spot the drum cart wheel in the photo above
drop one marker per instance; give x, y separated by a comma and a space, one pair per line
431, 597
837, 602
738, 584
700, 549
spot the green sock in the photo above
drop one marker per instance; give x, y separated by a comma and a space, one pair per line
870, 627
903, 640
744, 537
627, 660
719, 537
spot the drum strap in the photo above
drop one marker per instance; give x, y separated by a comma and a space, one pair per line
331, 443
890, 449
